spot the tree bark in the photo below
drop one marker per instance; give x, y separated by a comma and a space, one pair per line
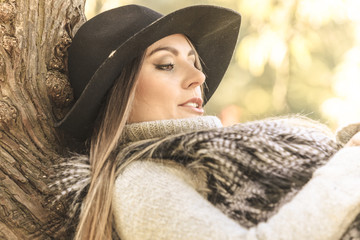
34, 94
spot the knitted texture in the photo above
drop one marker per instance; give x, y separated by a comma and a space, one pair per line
154, 129
252, 169
154, 200
346, 132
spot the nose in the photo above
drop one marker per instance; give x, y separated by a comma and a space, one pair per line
193, 78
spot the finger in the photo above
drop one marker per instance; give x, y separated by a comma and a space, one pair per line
354, 141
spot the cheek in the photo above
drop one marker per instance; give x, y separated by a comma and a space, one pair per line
149, 90
156, 90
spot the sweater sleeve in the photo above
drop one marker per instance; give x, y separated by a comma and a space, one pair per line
151, 202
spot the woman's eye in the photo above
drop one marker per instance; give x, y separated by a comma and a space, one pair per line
166, 67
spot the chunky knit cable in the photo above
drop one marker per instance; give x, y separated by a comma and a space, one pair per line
161, 128
252, 168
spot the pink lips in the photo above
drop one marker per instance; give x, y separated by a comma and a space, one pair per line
194, 104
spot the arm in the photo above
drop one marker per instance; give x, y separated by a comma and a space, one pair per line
151, 201
324, 208
158, 204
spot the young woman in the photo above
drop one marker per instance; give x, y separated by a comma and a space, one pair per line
162, 170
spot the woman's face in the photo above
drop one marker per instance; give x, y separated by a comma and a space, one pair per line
169, 83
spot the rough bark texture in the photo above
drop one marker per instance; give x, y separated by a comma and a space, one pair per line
34, 92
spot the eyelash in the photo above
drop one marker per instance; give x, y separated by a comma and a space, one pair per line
165, 67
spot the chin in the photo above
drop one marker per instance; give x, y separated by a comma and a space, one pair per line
192, 115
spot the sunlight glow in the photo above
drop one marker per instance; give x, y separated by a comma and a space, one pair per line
268, 47
257, 100
352, 9
295, 41
345, 107
319, 12
93, 7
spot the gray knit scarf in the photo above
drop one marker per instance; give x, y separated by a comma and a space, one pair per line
252, 169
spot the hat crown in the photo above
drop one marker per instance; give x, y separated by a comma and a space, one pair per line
99, 37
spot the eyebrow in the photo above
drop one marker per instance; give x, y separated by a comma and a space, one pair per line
170, 49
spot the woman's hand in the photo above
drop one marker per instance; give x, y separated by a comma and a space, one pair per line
354, 141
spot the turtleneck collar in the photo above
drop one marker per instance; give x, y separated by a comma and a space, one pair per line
160, 128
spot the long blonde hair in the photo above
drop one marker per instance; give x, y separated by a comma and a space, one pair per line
95, 221
96, 216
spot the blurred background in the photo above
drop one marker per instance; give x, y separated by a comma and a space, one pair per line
293, 56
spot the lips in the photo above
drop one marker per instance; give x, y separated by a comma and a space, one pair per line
194, 104
191, 104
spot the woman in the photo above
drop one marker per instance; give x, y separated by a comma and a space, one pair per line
157, 85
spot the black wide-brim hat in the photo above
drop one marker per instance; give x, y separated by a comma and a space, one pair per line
106, 43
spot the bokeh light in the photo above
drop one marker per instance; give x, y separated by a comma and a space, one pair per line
293, 56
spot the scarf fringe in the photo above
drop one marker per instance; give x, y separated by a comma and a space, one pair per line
252, 169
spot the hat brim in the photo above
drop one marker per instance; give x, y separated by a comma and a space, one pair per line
212, 30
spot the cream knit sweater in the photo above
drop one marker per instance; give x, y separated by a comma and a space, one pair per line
162, 201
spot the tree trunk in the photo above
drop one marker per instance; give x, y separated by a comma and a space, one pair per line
34, 93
